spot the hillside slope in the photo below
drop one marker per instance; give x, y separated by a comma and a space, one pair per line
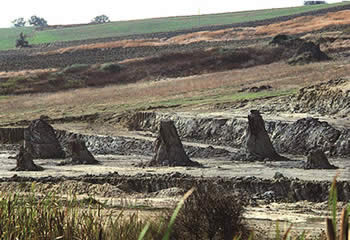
161, 25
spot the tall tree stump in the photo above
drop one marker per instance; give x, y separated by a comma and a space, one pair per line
80, 153
168, 148
25, 161
258, 142
41, 140
318, 160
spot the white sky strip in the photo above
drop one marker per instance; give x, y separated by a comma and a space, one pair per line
82, 11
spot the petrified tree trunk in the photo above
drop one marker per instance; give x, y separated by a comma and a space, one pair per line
80, 154
25, 161
258, 142
41, 140
168, 148
318, 160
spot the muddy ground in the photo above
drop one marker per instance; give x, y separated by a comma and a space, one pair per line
264, 210
316, 116
276, 191
298, 198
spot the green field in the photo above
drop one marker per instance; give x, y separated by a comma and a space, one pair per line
122, 28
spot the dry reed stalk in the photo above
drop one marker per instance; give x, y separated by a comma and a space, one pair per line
344, 224
331, 235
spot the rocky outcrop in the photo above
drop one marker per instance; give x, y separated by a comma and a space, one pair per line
300, 50
208, 152
41, 141
298, 137
168, 148
318, 160
11, 135
286, 41
305, 135
329, 98
98, 144
25, 162
308, 52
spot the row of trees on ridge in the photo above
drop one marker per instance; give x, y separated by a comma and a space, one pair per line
41, 22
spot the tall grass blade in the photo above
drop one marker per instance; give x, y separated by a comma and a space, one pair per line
176, 212
287, 232
144, 231
302, 236
251, 236
332, 201
278, 231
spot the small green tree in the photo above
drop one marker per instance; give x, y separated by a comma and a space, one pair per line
100, 19
37, 21
19, 22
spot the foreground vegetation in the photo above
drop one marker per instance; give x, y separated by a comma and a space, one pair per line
51, 217
123, 28
200, 214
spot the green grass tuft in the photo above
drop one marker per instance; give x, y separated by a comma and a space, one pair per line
111, 67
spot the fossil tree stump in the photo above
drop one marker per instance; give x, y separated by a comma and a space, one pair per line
41, 140
25, 161
80, 153
318, 160
258, 142
168, 148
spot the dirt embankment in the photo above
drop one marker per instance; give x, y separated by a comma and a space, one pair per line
250, 187
11, 135
287, 137
17, 60
170, 65
297, 137
166, 64
120, 145
329, 98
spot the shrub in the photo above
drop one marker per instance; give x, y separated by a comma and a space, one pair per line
210, 214
37, 21
75, 68
100, 19
21, 41
19, 22
111, 67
